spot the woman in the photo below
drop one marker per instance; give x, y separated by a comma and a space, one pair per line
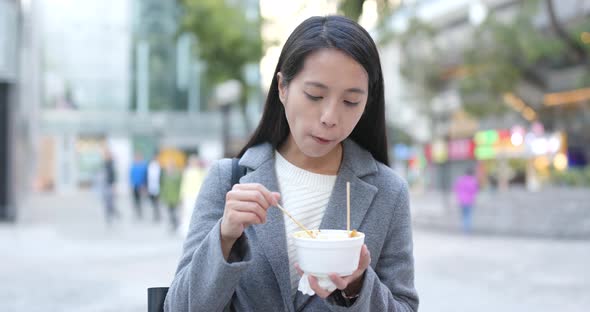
466, 188
192, 178
154, 181
323, 125
108, 181
171, 192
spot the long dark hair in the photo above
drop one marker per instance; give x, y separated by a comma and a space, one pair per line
343, 34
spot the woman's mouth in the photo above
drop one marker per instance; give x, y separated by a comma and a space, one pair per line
321, 140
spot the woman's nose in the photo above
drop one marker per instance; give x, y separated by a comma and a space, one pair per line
329, 116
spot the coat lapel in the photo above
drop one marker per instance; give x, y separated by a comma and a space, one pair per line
271, 235
356, 164
361, 197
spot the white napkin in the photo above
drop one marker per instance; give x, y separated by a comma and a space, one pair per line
324, 281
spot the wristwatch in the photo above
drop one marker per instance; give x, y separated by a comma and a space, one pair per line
348, 300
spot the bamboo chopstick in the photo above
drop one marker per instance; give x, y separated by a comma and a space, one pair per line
347, 206
310, 233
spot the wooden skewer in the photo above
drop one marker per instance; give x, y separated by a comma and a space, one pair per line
348, 206
310, 233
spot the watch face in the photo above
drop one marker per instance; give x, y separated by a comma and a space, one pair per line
346, 300
347, 296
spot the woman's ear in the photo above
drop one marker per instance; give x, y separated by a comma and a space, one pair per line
283, 90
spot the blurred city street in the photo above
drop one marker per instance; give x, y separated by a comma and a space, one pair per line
63, 257
481, 106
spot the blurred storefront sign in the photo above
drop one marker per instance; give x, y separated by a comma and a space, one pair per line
492, 144
516, 155
439, 152
461, 149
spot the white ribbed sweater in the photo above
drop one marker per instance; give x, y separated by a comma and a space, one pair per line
305, 195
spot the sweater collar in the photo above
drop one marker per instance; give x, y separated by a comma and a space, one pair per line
355, 158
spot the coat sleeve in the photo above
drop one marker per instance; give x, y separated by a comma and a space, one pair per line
389, 284
204, 280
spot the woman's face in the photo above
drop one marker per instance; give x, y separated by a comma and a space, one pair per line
324, 101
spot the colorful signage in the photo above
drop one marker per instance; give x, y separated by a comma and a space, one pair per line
461, 149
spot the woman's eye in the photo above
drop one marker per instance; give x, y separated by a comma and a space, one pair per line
313, 98
349, 103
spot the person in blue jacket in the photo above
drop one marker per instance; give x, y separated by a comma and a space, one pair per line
138, 181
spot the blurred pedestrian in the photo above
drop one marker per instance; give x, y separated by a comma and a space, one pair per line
107, 180
466, 188
154, 179
137, 178
192, 178
170, 193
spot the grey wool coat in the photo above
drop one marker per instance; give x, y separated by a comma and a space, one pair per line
256, 277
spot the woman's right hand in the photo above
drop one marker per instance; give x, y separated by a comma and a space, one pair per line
245, 204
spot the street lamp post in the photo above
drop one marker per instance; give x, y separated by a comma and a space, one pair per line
226, 94
478, 12
225, 109
143, 77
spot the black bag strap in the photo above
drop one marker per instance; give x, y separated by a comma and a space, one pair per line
237, 171
156, 298
157, 295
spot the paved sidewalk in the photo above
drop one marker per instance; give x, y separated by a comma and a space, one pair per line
550, 213
458, 273
63, 258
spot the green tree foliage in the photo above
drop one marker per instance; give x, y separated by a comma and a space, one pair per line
421, 65
351, 8
501, 55
354, 8
504, 54
228, 40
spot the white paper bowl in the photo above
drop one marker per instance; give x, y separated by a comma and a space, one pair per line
333, 251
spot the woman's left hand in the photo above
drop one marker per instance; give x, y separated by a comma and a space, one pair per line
352, 283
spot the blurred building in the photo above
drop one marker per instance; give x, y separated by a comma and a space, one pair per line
450, 133
9, 42
84, 67
280, 19
155, 59
115, 74
19, 85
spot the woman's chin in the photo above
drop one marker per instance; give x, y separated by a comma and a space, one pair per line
317, 151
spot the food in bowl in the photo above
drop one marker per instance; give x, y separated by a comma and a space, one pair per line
332, 251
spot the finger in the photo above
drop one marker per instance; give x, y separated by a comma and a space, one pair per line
365, 258
247, 198
298, 268
251, 207
243, 218
257, 187
277, 197
249, 195
340, 282
313, 282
